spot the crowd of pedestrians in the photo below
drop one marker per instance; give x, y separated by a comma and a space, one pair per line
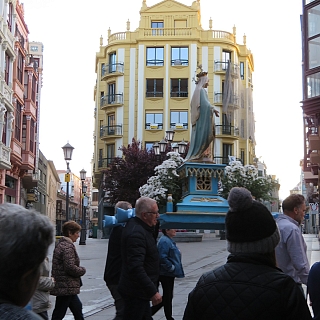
261, 279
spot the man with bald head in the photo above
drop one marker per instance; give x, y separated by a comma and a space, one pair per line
140, 267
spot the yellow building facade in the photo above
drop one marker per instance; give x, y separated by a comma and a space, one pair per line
145, 82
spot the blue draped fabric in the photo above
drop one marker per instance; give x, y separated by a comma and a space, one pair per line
202, 132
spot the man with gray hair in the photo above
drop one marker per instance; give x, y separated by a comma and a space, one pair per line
140, 267
25, 236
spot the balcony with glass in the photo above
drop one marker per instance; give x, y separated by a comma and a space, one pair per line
220, 67
112, 70
111, 131
110, 100
226, 130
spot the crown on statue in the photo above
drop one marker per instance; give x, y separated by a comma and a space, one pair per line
200, 74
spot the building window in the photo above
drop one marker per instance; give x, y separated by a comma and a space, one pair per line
95, 196
242, 155
24, 132
154, 88
111, 93
6, 68
149, 146
112, 62
4, 129
179, 56
110, 153
157, 28
17, 122
313, 83
155, 56
179, 119
154, 120
179, 88
32, 135
314, 36
9, 18
226, 125
242, 70
33, 89
111, 124
20, 67
226, 152
226, 58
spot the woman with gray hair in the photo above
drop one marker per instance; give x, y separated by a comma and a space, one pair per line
25, 236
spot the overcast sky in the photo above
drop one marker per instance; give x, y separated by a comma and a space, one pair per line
70, 32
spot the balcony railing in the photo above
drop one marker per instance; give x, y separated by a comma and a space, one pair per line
224, 160
113, 68
104, 162
155, 62
154, 126
154, 94
107, 131
188, 33
226, 130
179, 126
222, 66
180, 62
234, 100
111, 99
179, 94
168, 32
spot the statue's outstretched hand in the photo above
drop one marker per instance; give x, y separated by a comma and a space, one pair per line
216, 112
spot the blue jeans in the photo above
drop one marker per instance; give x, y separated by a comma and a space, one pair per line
136, 308
62, 305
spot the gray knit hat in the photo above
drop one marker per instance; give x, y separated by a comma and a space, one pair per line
250, 227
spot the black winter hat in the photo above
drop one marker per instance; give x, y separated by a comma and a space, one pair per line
250, 227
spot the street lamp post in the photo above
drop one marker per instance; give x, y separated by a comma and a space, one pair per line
83, 191
67, 151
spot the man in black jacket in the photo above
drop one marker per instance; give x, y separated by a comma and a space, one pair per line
114, 262
140, 267
249, 286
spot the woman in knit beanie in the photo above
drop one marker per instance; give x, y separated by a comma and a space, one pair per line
249, 286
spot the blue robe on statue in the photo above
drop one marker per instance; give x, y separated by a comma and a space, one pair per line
203, 132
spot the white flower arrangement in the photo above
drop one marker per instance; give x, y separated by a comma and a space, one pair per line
165, 179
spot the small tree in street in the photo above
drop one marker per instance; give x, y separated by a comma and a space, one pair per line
127, 174
237, 175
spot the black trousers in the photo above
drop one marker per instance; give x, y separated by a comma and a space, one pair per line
167, 284
65, 302
136, 308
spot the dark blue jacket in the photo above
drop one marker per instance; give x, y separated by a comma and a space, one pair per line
140, 260
170, 258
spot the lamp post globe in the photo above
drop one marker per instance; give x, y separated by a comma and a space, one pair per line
163, 145
169, 135
67, 151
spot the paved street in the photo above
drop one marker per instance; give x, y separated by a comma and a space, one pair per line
197, 258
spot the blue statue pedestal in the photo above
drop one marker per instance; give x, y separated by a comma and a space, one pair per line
201, 206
